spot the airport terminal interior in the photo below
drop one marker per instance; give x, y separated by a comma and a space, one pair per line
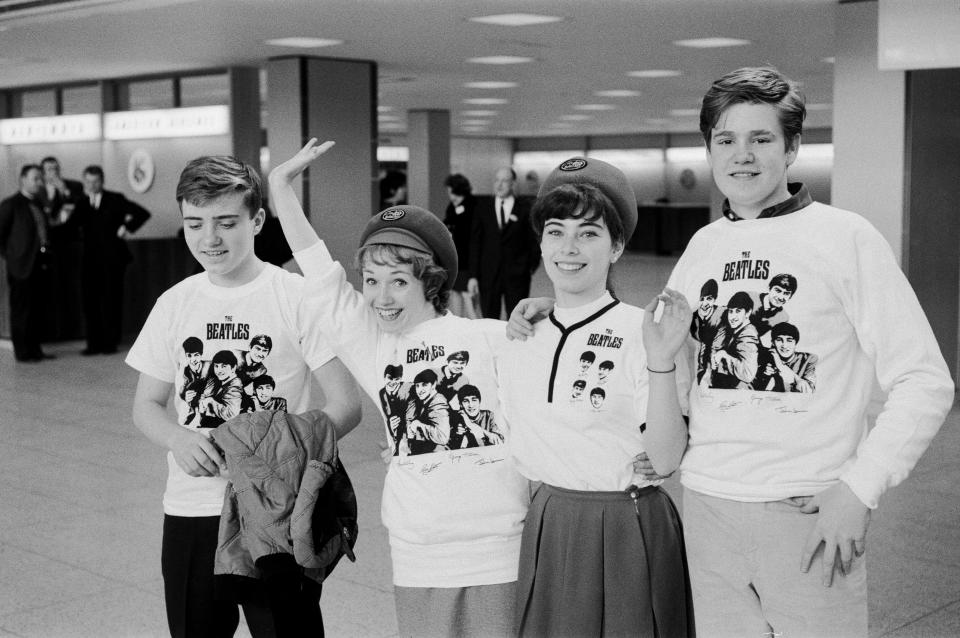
424, 89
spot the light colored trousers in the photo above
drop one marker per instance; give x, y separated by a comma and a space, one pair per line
744, 561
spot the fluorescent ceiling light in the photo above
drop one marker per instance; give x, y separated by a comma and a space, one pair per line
473, 129
485, 100
684, 112
617, 93
388, 118
711, 43
576, 118
391, 125
490, 85
560, 124
654, 73
479, 113
594, 107
475, 123
384, 109
517, 19
500, 59
684, 154
303, 43
393, 154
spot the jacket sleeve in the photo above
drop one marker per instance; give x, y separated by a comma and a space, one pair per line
895, 334
476, 240
134, 215
6, 223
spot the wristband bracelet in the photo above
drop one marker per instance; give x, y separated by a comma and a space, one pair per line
662, 371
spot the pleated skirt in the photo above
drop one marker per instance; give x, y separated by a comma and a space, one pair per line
603, 564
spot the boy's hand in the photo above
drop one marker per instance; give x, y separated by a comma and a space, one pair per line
527, 313
841, 528
643, 467
196, 454
284, 173
386, 453
663, 339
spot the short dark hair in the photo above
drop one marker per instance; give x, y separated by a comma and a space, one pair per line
459, 355
211, 177
424, 267
606, 365
264, 341
264, 379
425, 376
192, 344
785, 328
598, 391
785, 281
94, 169
393, 371
579, 383
577, 201
754, 85
225, 356
588, 356
458, 185
709, 289
26, 168
741, 300
468, 391
48, 159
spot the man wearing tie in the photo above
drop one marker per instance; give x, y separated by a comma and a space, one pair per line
25, 245
106, 218
503, 250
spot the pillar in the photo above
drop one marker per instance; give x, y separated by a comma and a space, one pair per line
428, 138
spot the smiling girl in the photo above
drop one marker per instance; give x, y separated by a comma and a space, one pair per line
454, 516
602, 550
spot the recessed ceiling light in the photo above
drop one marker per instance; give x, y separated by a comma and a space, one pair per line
617, 93
388, 118
576, 118
490, 85
654, 73
384, 109
303, 43
684, 112
392, 126
819, 107
485, 100
594, 107
500, 59
475, 123
829, 60
517, 19
479, 113
711, 43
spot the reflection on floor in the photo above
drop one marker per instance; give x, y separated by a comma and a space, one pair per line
80, 511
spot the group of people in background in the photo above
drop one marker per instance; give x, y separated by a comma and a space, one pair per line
525, 459
37, 226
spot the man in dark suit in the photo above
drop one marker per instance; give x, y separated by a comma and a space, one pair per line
503, 251
105, 218
24, 244
59, 196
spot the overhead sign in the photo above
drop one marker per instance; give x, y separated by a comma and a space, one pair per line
42, 130
186, 122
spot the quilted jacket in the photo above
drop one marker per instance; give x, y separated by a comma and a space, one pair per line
287, 494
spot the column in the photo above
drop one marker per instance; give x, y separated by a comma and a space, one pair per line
330, 100
428, 138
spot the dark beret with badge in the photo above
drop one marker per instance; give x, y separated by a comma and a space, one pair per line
415, 228
609, 179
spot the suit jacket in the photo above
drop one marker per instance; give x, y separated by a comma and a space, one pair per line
100, 226
503, 258
461, 227
19, 239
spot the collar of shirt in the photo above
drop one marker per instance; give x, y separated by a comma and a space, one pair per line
507, 204
799, 198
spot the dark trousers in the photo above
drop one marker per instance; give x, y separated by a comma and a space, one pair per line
26, 313
193, 608
511, 294
103, 304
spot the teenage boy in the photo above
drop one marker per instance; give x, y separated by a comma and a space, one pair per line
778, 488
454, 555
237, 296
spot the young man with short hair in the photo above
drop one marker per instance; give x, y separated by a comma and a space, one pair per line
779, 486
238, 295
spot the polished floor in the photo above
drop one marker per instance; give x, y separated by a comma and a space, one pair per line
80, 512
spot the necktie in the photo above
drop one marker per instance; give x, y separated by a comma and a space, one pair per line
503, 216
93, 202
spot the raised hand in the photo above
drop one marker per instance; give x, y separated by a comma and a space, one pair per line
287, 171
663, 339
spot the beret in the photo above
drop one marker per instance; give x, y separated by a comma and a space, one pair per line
416, 228
609, 179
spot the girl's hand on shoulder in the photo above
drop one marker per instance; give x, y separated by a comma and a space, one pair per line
287, 171
663, 339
